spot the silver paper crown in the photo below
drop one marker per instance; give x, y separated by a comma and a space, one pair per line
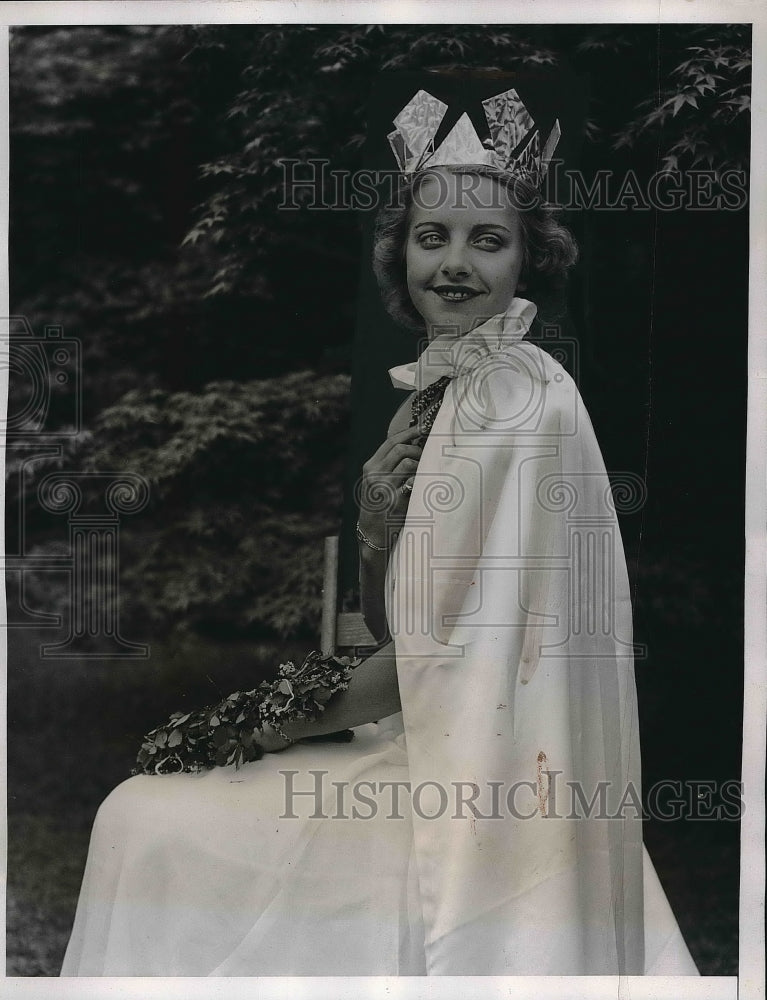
514, 144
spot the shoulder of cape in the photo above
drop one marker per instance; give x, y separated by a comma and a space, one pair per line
518, 389
543, 367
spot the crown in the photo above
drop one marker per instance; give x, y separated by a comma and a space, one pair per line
514, 144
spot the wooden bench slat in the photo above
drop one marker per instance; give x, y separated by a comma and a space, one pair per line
351, 630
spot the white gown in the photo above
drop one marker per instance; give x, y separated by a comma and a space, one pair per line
507, 598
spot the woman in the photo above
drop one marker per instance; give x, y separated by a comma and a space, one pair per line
437, 841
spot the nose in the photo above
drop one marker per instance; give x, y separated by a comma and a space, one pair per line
455, 263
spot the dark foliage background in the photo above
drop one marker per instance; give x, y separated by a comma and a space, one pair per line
217, 335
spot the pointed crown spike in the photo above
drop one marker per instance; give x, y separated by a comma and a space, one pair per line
461, 145
514, 144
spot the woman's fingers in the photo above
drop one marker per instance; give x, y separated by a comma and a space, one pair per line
387, 479
404, 453
407, 437
406, 466
389, 455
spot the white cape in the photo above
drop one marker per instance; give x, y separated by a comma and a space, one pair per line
508, 601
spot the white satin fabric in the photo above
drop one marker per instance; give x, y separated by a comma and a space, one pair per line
508, 600
204, 875
509, 603
198, 875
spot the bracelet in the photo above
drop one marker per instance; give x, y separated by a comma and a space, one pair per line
281, 733
371, 545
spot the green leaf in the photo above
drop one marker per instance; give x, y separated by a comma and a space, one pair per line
221, 737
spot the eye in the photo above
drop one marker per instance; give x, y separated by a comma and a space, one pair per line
488, 241
430, 240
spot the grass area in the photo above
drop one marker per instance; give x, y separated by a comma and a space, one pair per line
75, 726
45, 865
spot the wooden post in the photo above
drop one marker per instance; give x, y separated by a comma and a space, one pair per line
329, 596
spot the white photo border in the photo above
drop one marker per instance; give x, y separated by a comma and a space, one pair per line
750, 983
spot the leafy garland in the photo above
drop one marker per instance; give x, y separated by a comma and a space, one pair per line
227, 733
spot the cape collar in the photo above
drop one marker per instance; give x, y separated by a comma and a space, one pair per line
452, 356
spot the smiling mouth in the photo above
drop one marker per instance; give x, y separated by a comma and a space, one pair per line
455, 293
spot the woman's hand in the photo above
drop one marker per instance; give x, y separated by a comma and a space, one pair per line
384, 496
270, 740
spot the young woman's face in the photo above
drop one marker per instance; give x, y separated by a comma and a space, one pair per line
464, 251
